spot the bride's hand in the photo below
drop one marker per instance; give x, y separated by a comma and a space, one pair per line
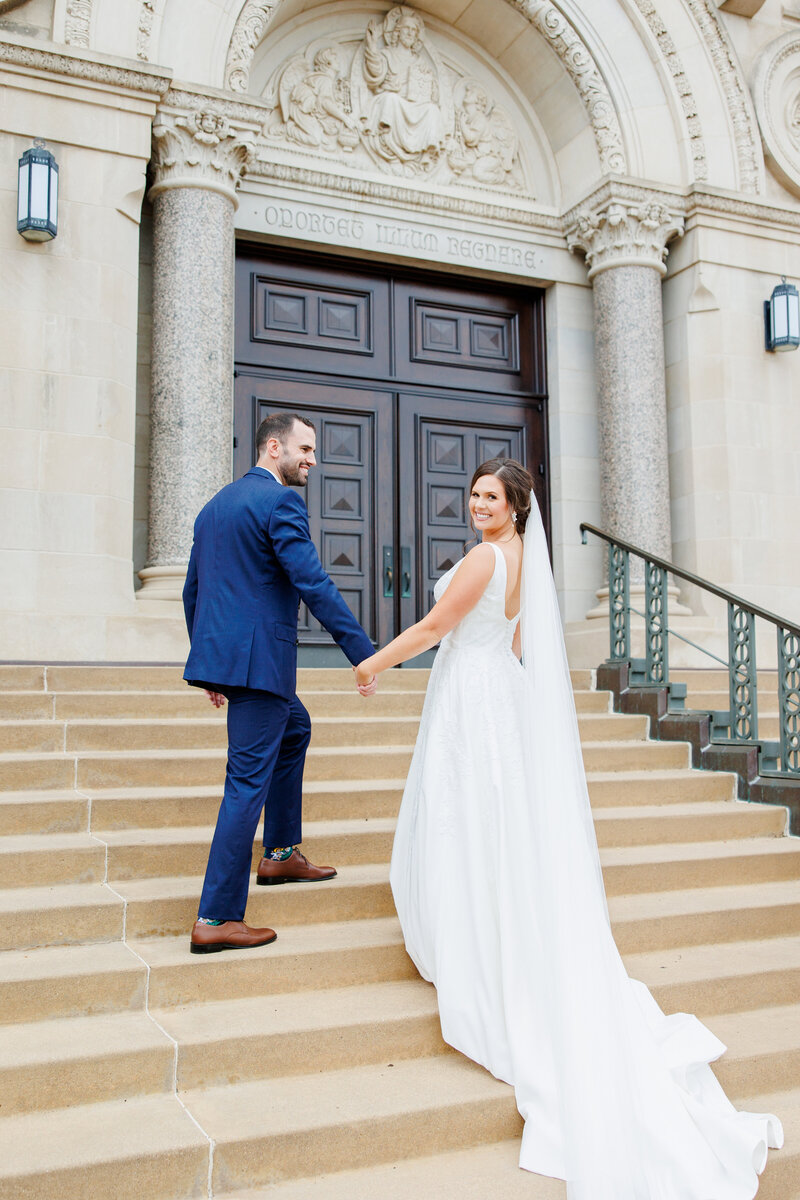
366, 679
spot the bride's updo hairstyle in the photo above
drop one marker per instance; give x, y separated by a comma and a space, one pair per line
518, 484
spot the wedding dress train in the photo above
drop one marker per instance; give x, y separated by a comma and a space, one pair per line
497, 882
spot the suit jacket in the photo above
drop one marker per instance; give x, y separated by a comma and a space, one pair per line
251, 562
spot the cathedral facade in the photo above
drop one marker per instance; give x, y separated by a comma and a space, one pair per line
444, 231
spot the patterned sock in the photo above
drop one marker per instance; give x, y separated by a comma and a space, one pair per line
279, 853
207, 921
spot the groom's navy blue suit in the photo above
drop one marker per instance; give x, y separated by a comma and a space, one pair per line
252, 561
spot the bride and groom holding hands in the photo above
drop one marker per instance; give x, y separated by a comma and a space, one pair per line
495, 871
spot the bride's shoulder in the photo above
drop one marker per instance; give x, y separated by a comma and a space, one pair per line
482, 554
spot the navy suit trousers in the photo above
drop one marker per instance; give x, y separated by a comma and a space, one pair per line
267, 742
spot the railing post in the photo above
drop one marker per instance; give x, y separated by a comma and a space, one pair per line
742, 676
619, 603
657, 653
789, 699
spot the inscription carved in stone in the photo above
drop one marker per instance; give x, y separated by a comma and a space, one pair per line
388, 100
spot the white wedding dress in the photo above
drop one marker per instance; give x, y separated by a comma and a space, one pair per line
496, 879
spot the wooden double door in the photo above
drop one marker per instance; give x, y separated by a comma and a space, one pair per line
412, 382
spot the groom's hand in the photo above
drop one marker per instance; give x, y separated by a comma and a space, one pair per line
366, 683
216, 698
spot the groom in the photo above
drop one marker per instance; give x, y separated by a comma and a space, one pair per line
252, 562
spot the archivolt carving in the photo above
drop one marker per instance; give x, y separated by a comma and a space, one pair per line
560, 34
247, 33
78, 22
681, 80
147, 12
736, 96
578, 61
387, 99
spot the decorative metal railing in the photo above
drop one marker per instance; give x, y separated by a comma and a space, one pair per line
739, 724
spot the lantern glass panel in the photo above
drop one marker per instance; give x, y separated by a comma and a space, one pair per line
24, 183
794, 316
53, 214
40, 176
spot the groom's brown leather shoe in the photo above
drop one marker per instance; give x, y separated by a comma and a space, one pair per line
294, 869
230, 935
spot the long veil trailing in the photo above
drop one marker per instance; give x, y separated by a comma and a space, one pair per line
641, 1115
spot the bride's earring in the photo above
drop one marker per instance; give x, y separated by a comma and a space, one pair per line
514, 518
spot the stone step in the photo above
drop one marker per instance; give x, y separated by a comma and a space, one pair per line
52, 1064
699, 864
94, 769
207, 732
704, 915
129, 808
712, 701
22, 677
368, 1115
125, 1149
43, 812
725, 977
71, 981
28, 706
149, 853
61, 915
33, 860
764, 1050
476, 1173
233, 1041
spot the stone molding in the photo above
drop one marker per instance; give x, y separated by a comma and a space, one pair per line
737, 98
776, 93
423, 201
199, 149
764, 215
624, 230
77, 23
96, 69
559, 33
682, 84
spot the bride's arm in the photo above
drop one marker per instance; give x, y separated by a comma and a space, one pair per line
463, 593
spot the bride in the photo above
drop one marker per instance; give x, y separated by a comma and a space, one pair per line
496, 877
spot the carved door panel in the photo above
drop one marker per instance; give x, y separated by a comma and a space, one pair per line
442, 444
349, 494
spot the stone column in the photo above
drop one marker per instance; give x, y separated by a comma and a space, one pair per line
625, 247
197, 161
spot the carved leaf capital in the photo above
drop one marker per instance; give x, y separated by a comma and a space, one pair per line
201, 148
621, 233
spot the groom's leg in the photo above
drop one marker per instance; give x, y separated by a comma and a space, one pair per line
283, 811
256, 725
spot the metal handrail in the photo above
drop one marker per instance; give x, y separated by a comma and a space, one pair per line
741, 720
731, 597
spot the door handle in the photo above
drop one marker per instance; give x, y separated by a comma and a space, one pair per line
388, 572
405, 568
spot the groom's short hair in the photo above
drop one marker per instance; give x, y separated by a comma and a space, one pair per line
278, 425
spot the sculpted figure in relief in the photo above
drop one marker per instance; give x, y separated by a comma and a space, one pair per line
314, 102
485, 144
402, 118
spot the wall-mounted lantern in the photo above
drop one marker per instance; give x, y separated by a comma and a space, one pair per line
37, 194
782, 317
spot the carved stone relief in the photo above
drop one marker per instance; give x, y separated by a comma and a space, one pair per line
147, 12
386, 98
776, 92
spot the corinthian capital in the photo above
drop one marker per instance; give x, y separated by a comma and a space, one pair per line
202, 148
624, 232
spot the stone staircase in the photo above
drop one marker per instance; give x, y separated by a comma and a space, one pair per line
314, 1068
